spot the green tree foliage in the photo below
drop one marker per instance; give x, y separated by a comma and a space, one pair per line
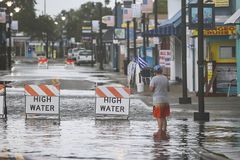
26, 17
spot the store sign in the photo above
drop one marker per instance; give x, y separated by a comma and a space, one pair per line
165, 58
219, 3
218, 31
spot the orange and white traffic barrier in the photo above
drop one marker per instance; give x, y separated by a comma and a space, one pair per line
69, 63
2, 88
112, 100
42, 90
2, 99
42, 99
43, 62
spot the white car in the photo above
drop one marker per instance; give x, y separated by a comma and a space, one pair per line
72, 53
85, 56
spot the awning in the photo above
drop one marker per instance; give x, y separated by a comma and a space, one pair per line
167, 27
234, 19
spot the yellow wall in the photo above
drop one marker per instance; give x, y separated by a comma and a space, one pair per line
214, 50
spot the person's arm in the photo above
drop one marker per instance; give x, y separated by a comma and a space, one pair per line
151, 86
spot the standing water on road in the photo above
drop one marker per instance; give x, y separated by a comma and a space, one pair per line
80, 136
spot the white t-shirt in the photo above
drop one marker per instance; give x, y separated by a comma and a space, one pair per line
160, 84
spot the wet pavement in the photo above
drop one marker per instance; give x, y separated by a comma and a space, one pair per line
80, 136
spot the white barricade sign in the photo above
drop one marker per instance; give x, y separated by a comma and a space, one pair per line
112, 100
2, 90
69, 64
43, 62
42, 99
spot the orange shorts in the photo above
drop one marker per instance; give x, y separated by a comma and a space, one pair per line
161, 111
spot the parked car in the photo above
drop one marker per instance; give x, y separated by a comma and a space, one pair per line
85, 56
73, 53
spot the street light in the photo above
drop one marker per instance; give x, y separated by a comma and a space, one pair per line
10, 7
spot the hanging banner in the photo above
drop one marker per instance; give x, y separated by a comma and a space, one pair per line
147, 6
127, 14
127, 3
136, 11
108, 20
2, 16
208, 16
95, 26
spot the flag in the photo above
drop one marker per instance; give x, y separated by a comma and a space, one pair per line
127, 14
136, 10
147, 6
109, 20
141, 62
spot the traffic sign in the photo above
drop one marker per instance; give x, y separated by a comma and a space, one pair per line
42, 99
112, 100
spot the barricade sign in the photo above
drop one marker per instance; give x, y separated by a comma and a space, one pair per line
2, 99
43, 62
42, 99
112, 100
69, 63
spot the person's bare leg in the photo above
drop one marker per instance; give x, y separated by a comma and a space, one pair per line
164, 126
160, 123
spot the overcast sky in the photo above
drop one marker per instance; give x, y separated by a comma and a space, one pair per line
54, 7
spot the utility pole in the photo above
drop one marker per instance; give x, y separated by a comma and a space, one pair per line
134, 35
9, 49
155, 26
128, 42
116, 25
201, 115
185, 99
100, 38
3, 58
144, 36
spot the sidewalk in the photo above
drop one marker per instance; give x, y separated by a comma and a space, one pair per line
218, 107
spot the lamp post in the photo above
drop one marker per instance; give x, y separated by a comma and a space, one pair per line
134, 34
185, 99
201, 115
155, 26
63, 18
2, 36
9, 8
116, 25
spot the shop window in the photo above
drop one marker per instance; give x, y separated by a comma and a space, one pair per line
227, 52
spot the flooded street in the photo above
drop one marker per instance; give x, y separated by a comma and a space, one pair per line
80, 136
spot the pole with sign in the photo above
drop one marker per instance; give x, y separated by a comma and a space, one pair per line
112, 101
42, 99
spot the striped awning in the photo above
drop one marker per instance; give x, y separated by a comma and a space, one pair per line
167, 27
234, 19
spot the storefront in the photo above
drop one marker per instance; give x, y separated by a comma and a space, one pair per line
220, 67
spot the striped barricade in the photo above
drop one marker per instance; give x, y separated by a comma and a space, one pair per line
2, 99
42, 99
112, 100
69, 63
43, 62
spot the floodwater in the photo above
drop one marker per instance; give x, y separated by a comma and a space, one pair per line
79, 135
